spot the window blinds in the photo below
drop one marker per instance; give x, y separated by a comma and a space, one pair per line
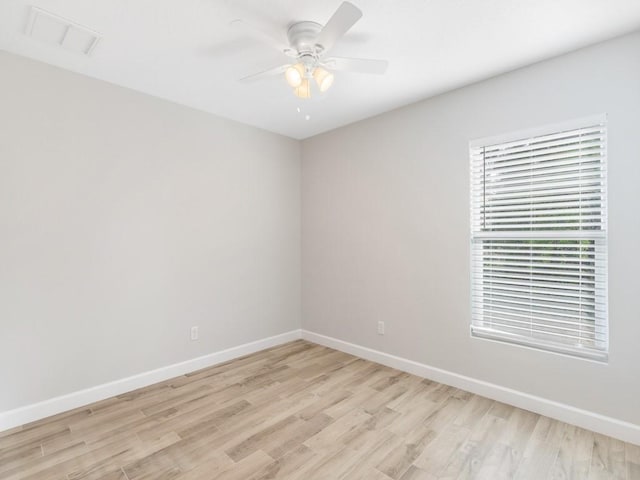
539, 243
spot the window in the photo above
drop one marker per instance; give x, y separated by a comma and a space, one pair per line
539, 239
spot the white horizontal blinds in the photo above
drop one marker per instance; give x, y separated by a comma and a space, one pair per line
539, 254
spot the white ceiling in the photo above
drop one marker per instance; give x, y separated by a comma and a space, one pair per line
186, 51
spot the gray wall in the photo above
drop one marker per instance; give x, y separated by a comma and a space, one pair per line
125, 220
385, 229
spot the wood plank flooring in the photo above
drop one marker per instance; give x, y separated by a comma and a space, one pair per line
302, 411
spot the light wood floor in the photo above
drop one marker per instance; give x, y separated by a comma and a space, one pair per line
301, 411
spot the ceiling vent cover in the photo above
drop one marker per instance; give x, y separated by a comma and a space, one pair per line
52, 29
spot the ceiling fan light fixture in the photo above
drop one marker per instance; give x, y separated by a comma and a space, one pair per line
304, 90
295, 74
323, 78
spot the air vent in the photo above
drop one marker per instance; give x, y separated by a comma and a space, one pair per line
55, 30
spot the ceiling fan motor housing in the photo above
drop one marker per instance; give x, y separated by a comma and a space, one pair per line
302, 36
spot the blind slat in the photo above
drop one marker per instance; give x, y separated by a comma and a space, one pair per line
531, 143
542, 297
548, 167
532, 284
565, 335
530, 310
584, 328
581, 196
543, 153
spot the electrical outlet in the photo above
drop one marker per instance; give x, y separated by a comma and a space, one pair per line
380, 328
194, 333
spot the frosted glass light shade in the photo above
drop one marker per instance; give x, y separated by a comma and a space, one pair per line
294, 75
323, 78
304, 90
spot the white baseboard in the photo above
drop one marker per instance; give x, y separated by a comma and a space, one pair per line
37, 411
612, 427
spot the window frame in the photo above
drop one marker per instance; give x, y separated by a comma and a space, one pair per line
600, 355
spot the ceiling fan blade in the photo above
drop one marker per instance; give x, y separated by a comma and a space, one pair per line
262, 75
342, 20
358, 65
263, 35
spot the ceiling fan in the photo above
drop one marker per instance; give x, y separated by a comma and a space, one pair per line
309, 43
